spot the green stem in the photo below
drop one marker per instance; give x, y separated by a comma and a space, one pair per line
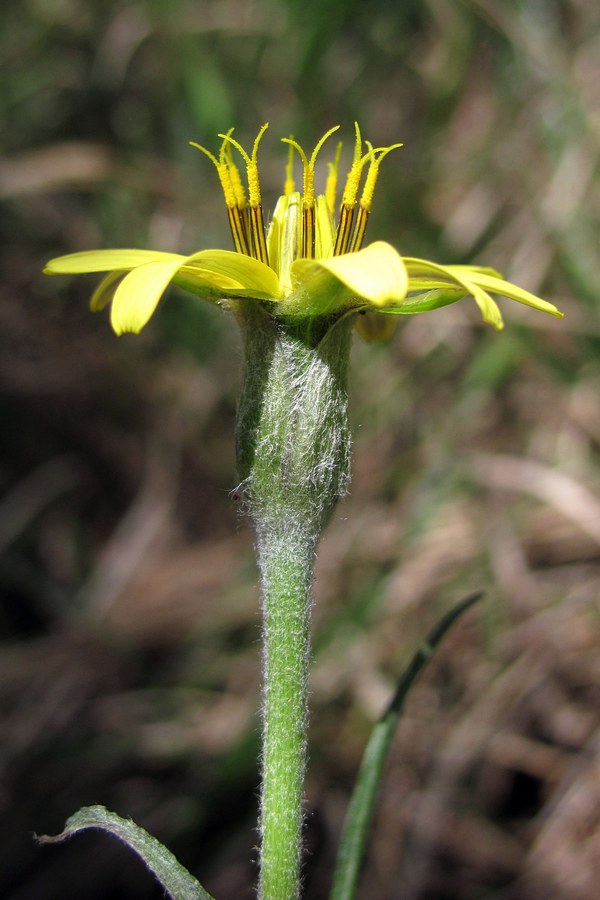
286, 562
293, 451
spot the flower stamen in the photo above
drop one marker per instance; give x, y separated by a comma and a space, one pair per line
246, 218
257, 225
238, 220
308, 192
366, 200
233, 192
308, 220
344, 229
226, 157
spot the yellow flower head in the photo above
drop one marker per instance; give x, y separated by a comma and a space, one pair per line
307, 263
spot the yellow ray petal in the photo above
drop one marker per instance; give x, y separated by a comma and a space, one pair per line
376, 275
105, 292
137, 296
325, 229
284, 236
105, 261
233, 274
449, 275
507, 289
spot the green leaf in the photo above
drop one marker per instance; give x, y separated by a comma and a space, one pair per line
425, 301
174, 878
360, 810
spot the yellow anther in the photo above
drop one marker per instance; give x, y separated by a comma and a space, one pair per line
223, 173
375, 156
344, 230
308, 193
233, 193
332, 177
236, 184
289, 185
226, 158
246, 218
353, 179
251, 164
366, 199
308, 188
256, 223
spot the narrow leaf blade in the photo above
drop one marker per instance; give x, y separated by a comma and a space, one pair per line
360, 809
174, 878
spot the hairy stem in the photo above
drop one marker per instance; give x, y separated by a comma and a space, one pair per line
287, 566
293, 451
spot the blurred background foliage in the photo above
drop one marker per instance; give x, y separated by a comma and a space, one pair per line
129, 663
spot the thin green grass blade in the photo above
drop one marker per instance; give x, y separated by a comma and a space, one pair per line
360, 810
175, 879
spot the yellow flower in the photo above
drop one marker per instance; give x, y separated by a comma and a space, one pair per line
304, 265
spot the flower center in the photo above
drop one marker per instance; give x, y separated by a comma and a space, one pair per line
313, 231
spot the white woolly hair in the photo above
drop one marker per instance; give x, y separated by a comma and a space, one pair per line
293, 435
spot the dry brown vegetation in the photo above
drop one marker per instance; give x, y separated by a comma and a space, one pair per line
129, 665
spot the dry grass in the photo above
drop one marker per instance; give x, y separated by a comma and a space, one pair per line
129, 665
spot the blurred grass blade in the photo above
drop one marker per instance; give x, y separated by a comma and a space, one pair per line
175, 879
360, 810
